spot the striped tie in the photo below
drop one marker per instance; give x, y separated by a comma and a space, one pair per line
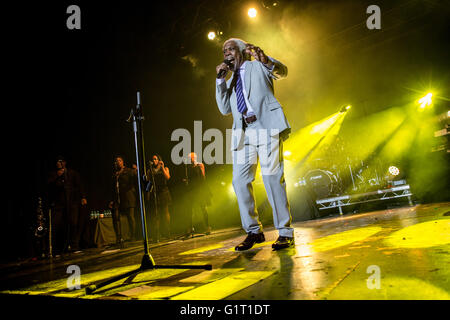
241, 106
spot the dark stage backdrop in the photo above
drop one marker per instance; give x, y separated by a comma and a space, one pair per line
69, 92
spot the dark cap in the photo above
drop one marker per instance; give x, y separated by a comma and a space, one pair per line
60, 158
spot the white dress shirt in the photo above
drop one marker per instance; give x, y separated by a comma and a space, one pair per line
250, 111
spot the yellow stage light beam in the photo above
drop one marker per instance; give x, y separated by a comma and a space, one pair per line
309, 143
303, 141
324, 125
329, 136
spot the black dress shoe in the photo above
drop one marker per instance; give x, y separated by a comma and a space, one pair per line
251, 239
283, 242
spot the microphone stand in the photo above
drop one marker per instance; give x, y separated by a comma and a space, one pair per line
117, 212
191, 233
191, 226
153, 191
148, 262
50, 245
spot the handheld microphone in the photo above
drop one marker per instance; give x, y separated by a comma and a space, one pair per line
223, 71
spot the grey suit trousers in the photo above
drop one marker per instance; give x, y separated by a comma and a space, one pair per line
267, 151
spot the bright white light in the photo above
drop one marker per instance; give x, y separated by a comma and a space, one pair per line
287, 153
211, 35
252, 12
394, 170
425, 101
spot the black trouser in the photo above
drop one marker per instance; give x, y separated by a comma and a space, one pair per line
192, 206
83, 230
129, 212
65, 228
154, 218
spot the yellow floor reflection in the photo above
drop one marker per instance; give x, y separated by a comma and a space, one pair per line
154, 292
421, 235
59, 287
395, 288
203, 249
210, 276
61, 284
225, 287
343, 238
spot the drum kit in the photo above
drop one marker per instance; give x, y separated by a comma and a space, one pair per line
339, 173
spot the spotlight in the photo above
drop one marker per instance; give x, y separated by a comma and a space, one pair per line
425, 101
211, 35
252, 13
287, 153
393, 170
345, 108
269, 4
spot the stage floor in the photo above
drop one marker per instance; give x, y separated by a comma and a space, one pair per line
400, 253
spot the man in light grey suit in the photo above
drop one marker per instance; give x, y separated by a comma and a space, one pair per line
259, 128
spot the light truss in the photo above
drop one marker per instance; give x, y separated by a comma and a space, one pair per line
352, 199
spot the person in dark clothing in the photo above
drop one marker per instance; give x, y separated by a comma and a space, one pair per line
124, 186
160, 174
66, 194
198, 193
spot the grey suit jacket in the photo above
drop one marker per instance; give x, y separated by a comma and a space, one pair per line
259, 87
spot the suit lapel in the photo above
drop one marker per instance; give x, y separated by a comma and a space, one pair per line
248, 71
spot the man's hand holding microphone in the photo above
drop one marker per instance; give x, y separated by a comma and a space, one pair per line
223, 68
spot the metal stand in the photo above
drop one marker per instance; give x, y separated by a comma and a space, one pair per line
351, 175
191, 233
117, 221
147, 260
50, 248
378, 195
155, 199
